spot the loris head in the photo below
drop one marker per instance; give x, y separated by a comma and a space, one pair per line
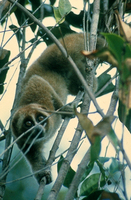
32, 117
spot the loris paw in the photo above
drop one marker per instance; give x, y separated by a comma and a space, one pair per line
46, 174
68, 111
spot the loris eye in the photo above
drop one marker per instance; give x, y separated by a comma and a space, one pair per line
40, 118
29, 124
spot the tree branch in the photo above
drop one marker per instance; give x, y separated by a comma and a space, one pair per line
40, 190
94, 25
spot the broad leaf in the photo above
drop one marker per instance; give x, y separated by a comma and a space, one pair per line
58, 16
118, 46
64, 7
91, 184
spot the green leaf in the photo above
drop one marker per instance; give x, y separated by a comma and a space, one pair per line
102, 80
87, 170
95, 149
70, 174
64, 7
124, 116
122, 51
91, 184
118, 46
58, 16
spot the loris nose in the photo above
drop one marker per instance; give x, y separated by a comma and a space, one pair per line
38, 128
38, 131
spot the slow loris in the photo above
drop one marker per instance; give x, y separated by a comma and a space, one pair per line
45, 86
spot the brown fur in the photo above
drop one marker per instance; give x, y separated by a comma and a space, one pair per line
46, 85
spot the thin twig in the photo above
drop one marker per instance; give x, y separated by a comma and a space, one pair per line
94, 24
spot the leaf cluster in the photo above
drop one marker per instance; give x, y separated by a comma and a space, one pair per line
94, 182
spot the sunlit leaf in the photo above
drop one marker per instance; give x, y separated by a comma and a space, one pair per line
64, 7
91, 184
58, 16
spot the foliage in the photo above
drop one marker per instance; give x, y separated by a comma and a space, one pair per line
100, 176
